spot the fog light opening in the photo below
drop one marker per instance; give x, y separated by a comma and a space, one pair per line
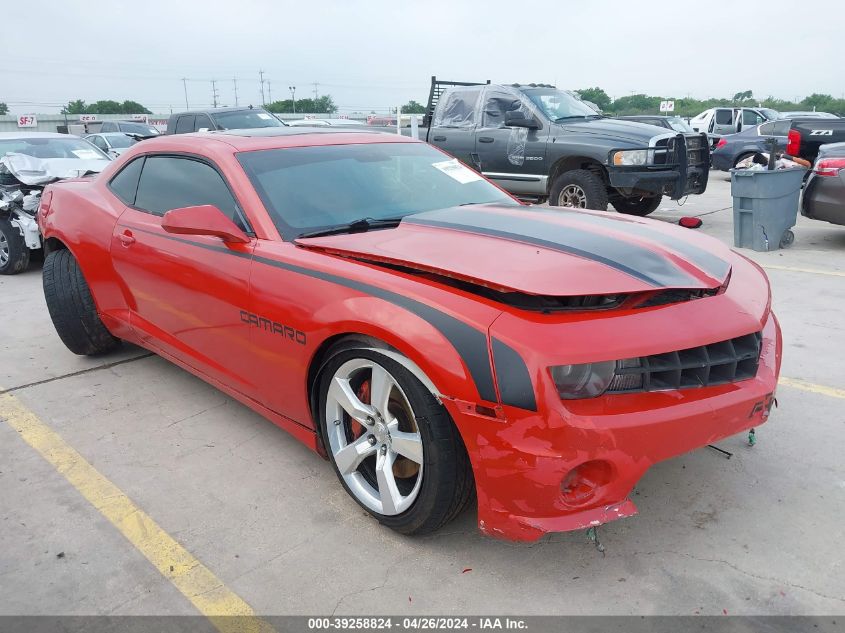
581, 484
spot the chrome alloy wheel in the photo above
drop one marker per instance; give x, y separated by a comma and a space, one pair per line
373, 437
572, 196
4, 249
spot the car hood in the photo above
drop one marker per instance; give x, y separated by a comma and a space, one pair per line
40, 171
631, 131
539, 251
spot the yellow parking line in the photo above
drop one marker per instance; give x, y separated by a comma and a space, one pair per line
812, 387
815, 271
196, 582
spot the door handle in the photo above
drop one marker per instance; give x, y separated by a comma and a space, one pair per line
126, 238
439, 138
485, 139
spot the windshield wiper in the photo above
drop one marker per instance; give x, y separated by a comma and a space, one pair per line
580, 116
361, 225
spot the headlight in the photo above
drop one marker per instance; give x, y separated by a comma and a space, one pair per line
631, 157
583, 381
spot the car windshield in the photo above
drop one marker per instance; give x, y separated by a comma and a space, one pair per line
70, 147
679, 125
306, 189
121, 140
557, 104
138, 128
245, 119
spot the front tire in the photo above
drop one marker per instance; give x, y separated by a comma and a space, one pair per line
637, 206
14, 253
393, 447
72, 308
578, 189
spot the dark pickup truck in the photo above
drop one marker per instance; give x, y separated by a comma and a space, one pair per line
542, 143
807, 135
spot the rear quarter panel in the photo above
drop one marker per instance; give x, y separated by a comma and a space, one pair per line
82, 215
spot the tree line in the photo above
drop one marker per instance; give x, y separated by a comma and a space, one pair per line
106, 106
646, 104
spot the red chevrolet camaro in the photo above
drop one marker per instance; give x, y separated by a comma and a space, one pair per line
413, 323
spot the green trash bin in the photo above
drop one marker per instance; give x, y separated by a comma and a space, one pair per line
765, 207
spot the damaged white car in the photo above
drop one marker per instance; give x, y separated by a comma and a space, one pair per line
28, 162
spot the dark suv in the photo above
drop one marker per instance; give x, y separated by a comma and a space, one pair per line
220, 119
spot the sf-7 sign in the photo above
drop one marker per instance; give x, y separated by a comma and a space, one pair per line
27, 120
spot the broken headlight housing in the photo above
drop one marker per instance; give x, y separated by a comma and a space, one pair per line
630, 157
586, 380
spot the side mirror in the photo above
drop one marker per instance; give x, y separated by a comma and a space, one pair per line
517, 118
205, 219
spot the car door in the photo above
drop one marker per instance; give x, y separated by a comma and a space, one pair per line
185, 292
184, 124
453, 127
513, 157
203, 123
724, 121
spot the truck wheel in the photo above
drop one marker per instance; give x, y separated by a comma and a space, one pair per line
580, 189
72, 308
637, 206
14, 253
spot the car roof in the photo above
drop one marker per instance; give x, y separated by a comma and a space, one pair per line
215, 111
11, 135
275, 138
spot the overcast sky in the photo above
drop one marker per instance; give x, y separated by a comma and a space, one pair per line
370, 55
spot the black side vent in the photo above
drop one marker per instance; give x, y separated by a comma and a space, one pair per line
715, 364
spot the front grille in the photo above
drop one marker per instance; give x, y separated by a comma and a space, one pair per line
715, 364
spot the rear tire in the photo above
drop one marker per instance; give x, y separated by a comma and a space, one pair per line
14, 253
579, 189
72, 308
406, 465
637, 206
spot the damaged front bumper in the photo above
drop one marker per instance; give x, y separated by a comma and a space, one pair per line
20, 210
527, 466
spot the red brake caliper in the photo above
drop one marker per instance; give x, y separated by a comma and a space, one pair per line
363, 394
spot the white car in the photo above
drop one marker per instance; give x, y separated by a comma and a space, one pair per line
112, 143
731, 120
28, 162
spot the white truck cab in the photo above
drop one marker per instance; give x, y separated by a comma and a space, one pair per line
731, 120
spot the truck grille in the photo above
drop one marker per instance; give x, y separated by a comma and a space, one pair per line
714, 364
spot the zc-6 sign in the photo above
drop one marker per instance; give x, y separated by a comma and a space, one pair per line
27, 120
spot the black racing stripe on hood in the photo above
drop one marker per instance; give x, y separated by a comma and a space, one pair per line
471, 344
627, 257
713, 265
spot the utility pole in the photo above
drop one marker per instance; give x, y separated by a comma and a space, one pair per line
235, 81
185, 86
214, 92
316, 94
293, 97
269, 93
261, 80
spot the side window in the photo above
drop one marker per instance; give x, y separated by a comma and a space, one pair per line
749, 117
170, 182
99, 142
203, 122
457, 108
125, 183
782, 127
185, 124
495, 107
767, 129
108, 126
724, 116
